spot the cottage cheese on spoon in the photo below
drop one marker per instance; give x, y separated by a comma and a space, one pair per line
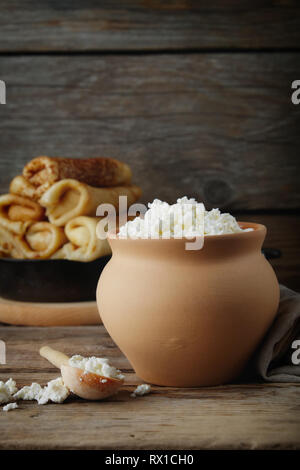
96, 365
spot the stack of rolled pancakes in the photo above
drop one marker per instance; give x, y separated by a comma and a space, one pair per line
50, 211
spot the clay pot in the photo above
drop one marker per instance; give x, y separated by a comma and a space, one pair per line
188, 318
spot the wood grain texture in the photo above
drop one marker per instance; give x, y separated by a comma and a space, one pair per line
218, 127
87, 25
239, 416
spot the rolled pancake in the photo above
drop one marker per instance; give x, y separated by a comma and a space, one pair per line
42, 172
21, 186
16, 213
10, 245
84, 245
69, 198
41, 240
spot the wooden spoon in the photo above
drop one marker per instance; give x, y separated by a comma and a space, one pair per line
84, 384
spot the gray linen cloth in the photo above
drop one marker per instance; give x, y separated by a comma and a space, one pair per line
273, 361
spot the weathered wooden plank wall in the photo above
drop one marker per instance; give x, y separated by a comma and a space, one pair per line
109, 25
195, 96
186, 123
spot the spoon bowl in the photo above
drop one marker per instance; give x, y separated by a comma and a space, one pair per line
88, 385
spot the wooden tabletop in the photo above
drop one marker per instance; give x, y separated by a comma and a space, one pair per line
240, 416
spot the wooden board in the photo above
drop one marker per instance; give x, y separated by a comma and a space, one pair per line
238, 416
48, 314
218, 127
28, 25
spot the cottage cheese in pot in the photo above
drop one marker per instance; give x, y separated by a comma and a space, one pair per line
186, 218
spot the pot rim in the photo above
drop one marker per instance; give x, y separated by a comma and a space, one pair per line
257, 229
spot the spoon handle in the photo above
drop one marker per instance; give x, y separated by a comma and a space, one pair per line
56, 358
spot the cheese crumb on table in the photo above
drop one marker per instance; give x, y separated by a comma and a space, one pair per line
54, 391
7, 389
96, 365
11, 385
10, 406
141, 390
29, 392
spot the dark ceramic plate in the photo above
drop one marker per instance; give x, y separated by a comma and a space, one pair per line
50, 280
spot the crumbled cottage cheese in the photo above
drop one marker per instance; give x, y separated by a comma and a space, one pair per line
29, 392
216, 223
186, 218
10, 406
7, 389
96, 365
54, 391
141, 390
